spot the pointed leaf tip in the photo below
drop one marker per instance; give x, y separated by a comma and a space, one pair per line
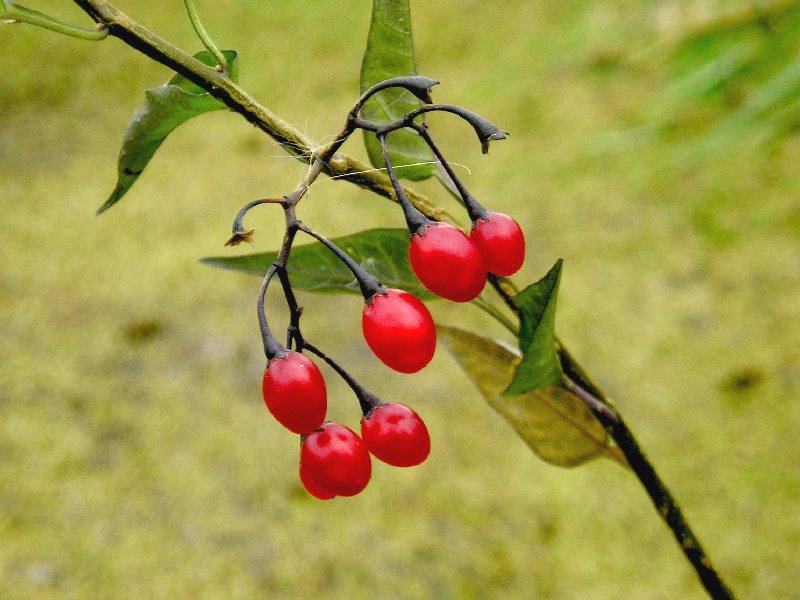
539, 366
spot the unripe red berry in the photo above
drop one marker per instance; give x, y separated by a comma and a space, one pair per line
312, 487
501, 242
400, 331
335, 458
396, 435
294, 392
447, 262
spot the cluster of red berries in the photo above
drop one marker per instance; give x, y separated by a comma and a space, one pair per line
334, 460
454, 266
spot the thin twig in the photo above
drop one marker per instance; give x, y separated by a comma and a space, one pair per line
233, 96
576, 381
222, 64
14, 13
366, 399
663, 500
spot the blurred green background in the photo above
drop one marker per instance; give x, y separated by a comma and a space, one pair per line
653, 146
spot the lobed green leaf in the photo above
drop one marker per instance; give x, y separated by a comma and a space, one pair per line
312, 267
390, 53
164, 108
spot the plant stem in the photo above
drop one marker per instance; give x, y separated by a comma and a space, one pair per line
15, 13
662, 498
368, 283
366, 399
496, 315
233, 96
506, 289
415, 219
474, 208
271, 346
578, 382
222, 65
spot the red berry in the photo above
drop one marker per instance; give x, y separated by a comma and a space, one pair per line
335, 458
396, 435
447, 262
501, 242
294, 392
312, 487
399, 330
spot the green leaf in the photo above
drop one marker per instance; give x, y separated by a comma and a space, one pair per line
390, 53
555, 423
312, 267
165, 107
537, 304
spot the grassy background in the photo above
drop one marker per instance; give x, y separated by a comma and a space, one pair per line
136, 457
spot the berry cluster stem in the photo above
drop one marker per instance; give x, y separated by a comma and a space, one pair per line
271, 346
366, 399
415, 220
474, 209
369, 285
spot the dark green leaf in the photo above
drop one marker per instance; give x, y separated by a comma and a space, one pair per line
165, 107
390, 53
537, 303
312, 267
556, 424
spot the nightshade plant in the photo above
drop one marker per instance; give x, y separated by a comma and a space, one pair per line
542, 391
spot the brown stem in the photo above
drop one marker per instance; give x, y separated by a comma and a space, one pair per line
224, 89
663, 500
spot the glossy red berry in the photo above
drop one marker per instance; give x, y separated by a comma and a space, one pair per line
396, 435
400, 331
501, 242
335, 459
447, 262
294, 392
312, 487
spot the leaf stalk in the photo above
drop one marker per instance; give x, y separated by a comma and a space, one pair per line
201, 32
15, 13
